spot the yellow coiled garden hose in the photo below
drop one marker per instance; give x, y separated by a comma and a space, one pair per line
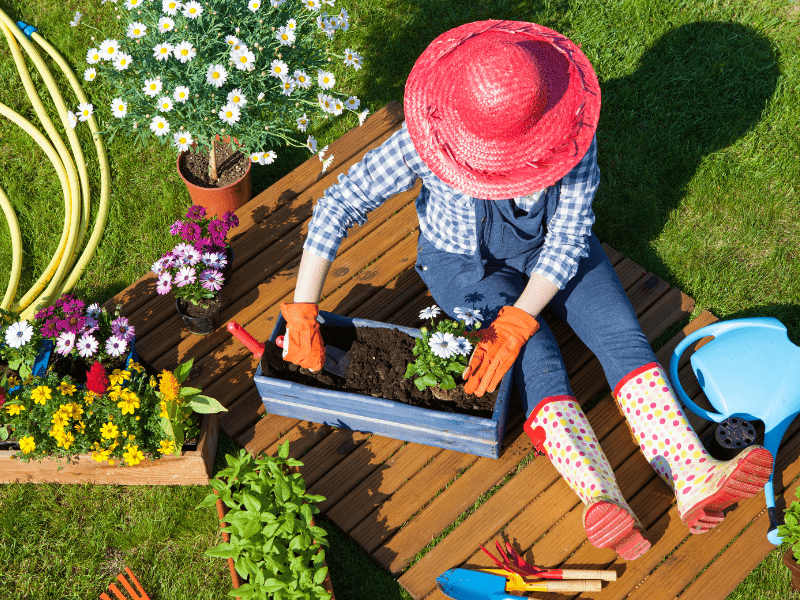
66, 265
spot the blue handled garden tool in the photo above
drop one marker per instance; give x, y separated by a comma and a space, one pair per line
750, 370
465, 584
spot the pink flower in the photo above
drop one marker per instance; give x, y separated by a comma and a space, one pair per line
231, 219
65, 343
185, 276
122, 329
191, 232
196, 212
175, 228
164, 284
212, 280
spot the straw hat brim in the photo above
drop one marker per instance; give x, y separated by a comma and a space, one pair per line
478, 160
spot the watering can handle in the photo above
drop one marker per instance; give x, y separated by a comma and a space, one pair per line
715, 330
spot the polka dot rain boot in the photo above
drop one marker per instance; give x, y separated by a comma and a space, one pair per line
558, 427
703, 485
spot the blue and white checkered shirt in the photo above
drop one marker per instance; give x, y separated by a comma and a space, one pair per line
446, 216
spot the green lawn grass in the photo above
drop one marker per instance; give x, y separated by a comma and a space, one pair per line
699, 150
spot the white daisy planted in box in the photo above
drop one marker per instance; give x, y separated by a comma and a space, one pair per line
443, 350
255, 74
20, 342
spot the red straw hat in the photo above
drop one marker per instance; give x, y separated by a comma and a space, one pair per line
500, 109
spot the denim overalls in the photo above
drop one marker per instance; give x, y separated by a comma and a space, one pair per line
593, 303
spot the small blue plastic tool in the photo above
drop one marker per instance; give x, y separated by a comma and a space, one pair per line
749, 370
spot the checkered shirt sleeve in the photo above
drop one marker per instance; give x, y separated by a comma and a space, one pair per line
568, 231
382, 173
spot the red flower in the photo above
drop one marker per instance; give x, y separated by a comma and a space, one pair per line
96, 379
2, 396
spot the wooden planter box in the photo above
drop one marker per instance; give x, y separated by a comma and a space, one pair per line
194, 467
463, 433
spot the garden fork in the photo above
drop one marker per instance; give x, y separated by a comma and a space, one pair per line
520, 567
128, 587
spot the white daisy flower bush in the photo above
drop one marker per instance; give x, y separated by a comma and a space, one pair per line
257, 71
444, 349
19, 343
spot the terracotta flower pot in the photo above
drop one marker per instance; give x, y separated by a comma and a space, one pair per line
219, 200
794, 568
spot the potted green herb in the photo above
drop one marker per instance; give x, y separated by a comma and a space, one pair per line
273, 541
790, 533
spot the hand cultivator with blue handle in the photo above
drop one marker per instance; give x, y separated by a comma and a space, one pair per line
750, 370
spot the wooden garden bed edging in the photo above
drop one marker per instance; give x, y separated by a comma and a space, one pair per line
194, 467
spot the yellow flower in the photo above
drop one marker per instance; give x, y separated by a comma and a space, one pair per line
80, 426
153, 382
12, 381
14, 409
164, 410
128, 405
98, 456
118, 377
133, 456
109, 431
169, 386
66, 440
114, 392
136, 367
167, 447
77, 411
66, 388
59, 420
41, 394
27, 445
88, 397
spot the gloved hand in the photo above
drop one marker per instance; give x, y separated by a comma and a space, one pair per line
302, 344
498, 349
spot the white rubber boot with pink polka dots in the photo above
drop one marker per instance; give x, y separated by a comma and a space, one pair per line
559, 428
703, 485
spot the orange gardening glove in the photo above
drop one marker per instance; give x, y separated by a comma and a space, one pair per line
498, 349
302, 344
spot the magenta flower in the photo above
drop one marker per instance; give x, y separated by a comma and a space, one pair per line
121, 328
185, 276
196, 212
217, 228
212, 280
50, 328
204, 242
164, 284
115, 346
45, 313
191, 232
175, 228
231, 219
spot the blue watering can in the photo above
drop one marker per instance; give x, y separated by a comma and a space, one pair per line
750, 370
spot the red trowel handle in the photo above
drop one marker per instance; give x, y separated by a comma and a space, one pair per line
237, 331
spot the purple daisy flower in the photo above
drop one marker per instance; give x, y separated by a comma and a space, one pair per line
45, 313
214, 260
120, 327
115, 346
231, 219
175, 228
50, 328
185, 276
91, 324
190, 232
217, 228
65, 343
75, 323
195, 212
180, 250
192, 256
212, 280
164, 284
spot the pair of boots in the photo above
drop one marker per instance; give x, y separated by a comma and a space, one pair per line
703, 486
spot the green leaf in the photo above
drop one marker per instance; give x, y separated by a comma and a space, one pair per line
223, 550
410, 370
272, 585
283, 451
206, 405
251, 503
448, 383
4, 433
251, 529
429, 380
182, 372
420, 384
208, 502
245, 592
320, 574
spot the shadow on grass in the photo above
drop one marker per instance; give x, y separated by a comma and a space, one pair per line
696, 91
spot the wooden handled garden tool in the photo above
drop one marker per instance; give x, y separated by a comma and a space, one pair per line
142, 595
520, 567
464, 584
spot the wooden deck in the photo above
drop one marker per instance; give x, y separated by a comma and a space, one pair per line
393, 498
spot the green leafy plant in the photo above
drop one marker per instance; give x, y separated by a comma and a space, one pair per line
443, 350
790, 530
274, 542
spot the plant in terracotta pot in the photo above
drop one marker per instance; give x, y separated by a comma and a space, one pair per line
790, 533
196, 269
443, 350
270, 534
225, 81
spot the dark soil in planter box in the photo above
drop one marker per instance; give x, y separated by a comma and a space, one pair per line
231, 166
198, 311
379, 357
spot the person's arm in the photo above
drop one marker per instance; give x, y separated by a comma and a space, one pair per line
311, 277
536, 295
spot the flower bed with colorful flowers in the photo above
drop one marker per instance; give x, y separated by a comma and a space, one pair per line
119, 417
